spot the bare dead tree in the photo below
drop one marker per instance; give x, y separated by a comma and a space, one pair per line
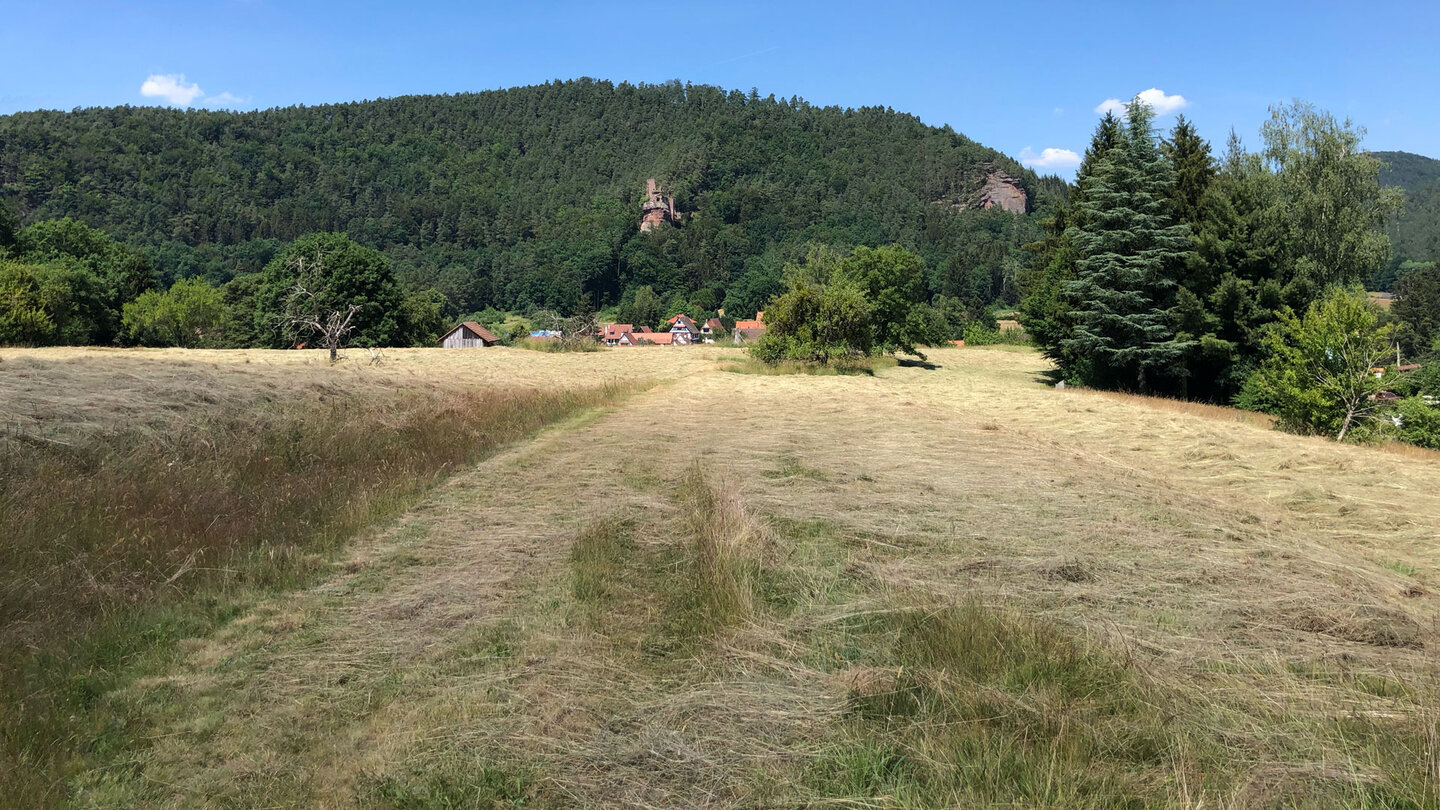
579, 332
306, 312
576, 333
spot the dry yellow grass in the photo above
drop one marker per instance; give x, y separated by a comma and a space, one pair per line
75, 389
1284, 584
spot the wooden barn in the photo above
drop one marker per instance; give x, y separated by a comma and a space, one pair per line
468, 335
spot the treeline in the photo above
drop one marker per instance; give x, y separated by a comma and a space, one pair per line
65, 283
1235, 279
530, 197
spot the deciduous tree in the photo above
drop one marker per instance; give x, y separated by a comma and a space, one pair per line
191, 313
1330, 211
1317, 374
815, 324
329, 273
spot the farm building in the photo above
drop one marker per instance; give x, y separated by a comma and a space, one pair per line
615, 331
710, 328
468, 335
747, 331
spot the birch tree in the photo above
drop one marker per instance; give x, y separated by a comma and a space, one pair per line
1319, 372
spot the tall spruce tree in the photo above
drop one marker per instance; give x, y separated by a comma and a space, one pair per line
1189, 154
1045, 309
1128, 247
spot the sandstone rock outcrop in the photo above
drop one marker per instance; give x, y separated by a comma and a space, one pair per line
658, 207
999, 190
1004, 191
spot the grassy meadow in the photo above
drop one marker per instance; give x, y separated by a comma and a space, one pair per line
508, 578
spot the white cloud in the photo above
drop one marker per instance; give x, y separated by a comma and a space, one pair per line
227, 101
1059, 111
172, 87
175, 90
1111, 105
1049, 158
1154, 98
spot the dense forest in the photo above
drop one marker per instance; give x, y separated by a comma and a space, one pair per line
1415, 231
530, 197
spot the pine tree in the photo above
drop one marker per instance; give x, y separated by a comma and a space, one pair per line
1128, 247
1194, 169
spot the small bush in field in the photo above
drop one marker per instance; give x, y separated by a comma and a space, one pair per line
1419, 422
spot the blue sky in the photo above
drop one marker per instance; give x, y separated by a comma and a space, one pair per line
1019, 77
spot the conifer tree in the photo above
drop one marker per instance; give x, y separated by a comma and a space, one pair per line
1128, 246
1194, 169
1045, 311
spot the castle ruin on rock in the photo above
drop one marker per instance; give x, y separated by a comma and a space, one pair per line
658, 207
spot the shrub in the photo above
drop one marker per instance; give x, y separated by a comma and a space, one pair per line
815, 324
978, 335
1418, 422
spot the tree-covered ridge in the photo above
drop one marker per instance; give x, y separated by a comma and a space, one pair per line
1415, 232
1408, 171
529, 196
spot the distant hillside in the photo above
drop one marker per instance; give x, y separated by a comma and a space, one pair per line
532, 196
1416, 232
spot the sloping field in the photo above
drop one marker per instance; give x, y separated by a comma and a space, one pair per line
953, 586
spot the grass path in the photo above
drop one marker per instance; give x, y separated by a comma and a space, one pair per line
455, 660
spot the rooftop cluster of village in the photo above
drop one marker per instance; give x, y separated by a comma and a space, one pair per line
682, 331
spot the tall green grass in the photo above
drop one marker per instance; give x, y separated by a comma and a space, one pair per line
119, 544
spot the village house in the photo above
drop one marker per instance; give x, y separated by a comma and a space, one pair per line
468, 335
710, 328
1379, 371
682, 323
749, 331
613, 332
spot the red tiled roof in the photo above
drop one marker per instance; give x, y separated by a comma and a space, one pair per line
657, 338
749, 325
714, 323
615, 330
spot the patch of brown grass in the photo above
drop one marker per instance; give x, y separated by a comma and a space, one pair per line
121, 539
1222, 413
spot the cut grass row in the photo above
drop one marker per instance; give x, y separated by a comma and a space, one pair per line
118, 544
870, 696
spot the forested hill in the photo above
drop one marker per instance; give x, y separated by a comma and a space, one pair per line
1415, 233
530, 196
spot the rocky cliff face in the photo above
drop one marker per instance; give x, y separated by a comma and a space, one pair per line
1003, 191
999, 190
